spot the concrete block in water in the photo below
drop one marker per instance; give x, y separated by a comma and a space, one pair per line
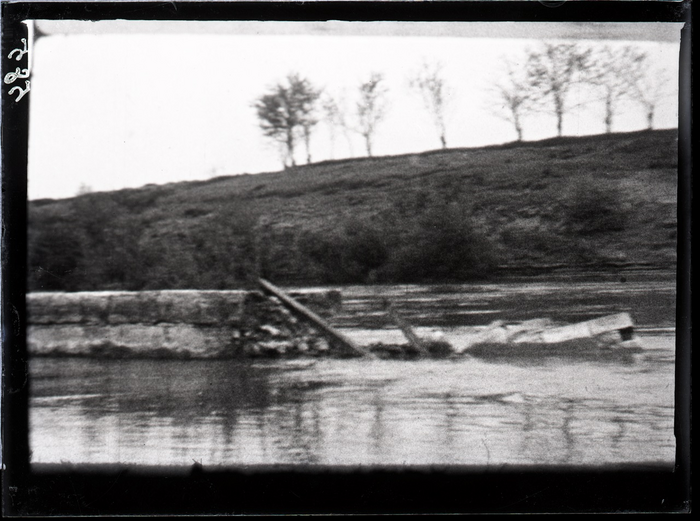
38, 308
135, 337
137, 307
55, 308
95, 307
197, 342
603, 327
219, 307
179, 323
566, 333
135, 340
610, 323
200, 307
129, 308
56, 339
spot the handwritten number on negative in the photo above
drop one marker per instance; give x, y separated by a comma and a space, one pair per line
22, 91
21, 52
11, 77
18, 73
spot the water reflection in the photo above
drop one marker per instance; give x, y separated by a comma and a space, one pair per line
349, 412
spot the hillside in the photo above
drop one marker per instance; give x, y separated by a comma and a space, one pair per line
447, 215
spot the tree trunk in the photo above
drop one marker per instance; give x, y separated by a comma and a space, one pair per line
290, 148
560, 118
559, 111
608, 113
307, 143
441, 129
518, 127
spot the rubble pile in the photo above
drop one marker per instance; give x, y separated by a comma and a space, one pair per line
270, 329
435, 348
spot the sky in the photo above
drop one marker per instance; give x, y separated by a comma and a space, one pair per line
124, 104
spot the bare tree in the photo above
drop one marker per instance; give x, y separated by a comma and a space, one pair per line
287, 113
553, 71
514, 97
430, 84
371, 108
335, 117
648, 88
613, 72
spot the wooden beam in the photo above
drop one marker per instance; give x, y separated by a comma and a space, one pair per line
407, 330
312, 317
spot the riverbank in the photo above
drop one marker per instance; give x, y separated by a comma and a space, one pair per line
606, 202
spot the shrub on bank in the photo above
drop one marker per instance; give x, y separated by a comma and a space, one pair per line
99, 245
439, 244
593, 208
442, 244
349, 253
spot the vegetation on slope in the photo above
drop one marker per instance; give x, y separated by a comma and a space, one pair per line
447, 215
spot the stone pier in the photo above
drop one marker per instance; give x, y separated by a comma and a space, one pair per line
164, 324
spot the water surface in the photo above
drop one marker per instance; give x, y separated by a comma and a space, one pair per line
462, 411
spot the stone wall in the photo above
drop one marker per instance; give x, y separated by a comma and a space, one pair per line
167, 324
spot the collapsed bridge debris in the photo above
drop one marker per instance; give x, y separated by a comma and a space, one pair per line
168, 324
272, 323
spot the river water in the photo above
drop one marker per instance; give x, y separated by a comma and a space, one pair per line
461, 411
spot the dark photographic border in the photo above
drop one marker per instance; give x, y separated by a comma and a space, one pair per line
87, 490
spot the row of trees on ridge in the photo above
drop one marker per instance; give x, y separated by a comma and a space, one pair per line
548, 76
542, 81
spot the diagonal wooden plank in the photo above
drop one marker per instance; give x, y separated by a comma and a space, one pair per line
316, 320
407, 330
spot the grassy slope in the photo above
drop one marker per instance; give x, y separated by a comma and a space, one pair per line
517, 194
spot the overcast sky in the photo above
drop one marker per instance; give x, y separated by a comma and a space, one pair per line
124, 104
